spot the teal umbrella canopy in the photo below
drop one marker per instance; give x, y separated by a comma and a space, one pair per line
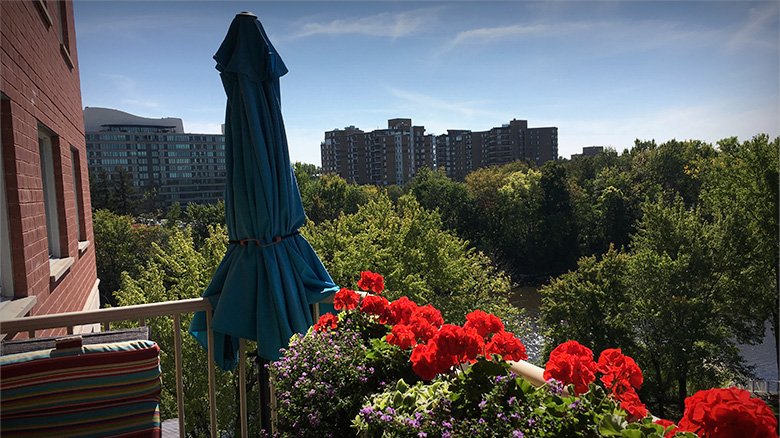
270, 275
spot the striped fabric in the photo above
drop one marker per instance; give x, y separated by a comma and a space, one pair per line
92, 391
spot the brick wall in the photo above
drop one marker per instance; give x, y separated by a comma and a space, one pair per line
40, 85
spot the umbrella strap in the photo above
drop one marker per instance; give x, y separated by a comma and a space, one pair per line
259, 242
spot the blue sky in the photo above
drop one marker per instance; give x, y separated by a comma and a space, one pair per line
604, 73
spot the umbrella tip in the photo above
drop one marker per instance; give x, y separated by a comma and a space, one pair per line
247, 14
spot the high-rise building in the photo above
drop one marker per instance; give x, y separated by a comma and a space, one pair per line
461, 152
47, 252
589, 151
381, 157
181, 167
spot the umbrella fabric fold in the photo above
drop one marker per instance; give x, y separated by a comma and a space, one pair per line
270, 275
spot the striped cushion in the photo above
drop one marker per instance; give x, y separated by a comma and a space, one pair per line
95, 390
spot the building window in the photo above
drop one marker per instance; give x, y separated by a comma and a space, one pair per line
78, 195
6, 268
49, 191
63, 22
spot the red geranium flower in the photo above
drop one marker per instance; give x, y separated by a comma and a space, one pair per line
346, 299
402, 310
430, 314
460, 344
370, 281
621, 373
629, 401
666, 424
726, 413
326, 322
424, 361
378, 306
423, 329
403, 336
507, 346
573, 363
483, 323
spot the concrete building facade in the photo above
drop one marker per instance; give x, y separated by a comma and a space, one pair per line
381, 157
181, 167
47, 255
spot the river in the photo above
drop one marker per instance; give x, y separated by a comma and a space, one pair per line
762, 356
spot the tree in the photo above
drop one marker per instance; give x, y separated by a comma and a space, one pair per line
435, 191
121, 245
590, 305
125, 196
407, 245
740, 191
201, 217
178, 271
100, 189
330, 195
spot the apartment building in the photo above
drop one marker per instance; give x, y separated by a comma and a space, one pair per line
381, 157
461, 152
181, 167
47, 255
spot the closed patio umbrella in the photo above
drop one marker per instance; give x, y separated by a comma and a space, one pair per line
270, 275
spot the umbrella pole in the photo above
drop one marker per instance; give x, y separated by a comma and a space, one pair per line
264, 393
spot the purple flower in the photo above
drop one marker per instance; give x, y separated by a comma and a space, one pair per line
517, 434
482, 404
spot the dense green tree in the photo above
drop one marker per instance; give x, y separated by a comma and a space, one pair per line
740, 192
330, 195
435, 191
178, 271
591, 305
407, 245
100, 189
121, 245
200, 217
125, 196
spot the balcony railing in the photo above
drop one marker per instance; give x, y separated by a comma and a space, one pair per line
144, 312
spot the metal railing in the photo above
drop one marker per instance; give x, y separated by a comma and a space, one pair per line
141, 313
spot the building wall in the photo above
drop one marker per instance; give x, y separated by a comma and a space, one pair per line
461, 152
182, 168
381, 157
41, 91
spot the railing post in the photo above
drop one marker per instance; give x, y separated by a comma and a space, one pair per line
179, 383
212, 385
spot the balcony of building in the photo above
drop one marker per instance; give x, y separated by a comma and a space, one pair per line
138, 316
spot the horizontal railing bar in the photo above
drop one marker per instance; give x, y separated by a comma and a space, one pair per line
136, 312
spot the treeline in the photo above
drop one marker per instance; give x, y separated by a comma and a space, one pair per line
668, 251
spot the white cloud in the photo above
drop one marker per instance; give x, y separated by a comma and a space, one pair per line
392, 25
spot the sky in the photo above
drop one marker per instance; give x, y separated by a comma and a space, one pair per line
604, 73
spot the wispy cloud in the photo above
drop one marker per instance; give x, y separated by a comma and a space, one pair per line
386, 24
424, 102
488, 34
759, 30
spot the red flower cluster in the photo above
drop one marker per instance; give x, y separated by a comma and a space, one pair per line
370, 281
326, 322
571, 362
346, 299
443, 346
622, 376
437, 346
727, 413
